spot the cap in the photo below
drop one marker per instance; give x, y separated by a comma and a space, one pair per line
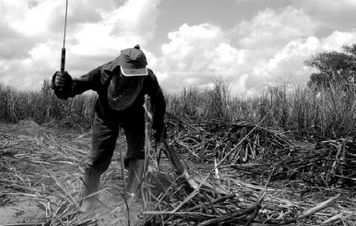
133, 62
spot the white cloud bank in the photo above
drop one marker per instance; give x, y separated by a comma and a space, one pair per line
196, 55
269, 47
96, 32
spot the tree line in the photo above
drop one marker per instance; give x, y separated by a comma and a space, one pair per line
333, 68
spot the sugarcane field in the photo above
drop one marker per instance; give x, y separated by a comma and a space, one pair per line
177, 113
212, 168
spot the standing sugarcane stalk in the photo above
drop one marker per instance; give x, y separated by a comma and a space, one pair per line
172, 156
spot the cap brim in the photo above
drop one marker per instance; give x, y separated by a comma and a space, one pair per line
134, 71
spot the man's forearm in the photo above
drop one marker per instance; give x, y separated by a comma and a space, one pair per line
86, 82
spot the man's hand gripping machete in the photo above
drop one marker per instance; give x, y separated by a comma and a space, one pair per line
61, 80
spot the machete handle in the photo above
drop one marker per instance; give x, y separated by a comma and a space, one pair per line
63, 59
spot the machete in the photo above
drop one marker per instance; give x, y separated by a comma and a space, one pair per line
63, 52
64, 76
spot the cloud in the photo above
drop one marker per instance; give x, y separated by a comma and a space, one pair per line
328, 5
287, 64
337, 39
131, 23
238, 1
136, 17
274, 28
268, 49
196, 55
13, 45
31, 71
330, 14
225, 59
29, 20
32, 31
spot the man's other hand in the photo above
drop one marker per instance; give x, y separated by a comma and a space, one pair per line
160, 132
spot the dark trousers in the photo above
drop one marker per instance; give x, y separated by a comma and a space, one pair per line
104, 138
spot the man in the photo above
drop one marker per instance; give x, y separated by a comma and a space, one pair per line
121, 86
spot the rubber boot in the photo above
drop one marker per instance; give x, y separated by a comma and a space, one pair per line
91, 185
135, 178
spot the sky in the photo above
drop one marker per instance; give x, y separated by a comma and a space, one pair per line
250, 44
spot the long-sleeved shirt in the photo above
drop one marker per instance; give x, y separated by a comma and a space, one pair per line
99, 80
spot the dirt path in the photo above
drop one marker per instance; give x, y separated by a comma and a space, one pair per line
40, 178
20, 211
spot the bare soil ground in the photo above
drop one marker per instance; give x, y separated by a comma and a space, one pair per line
40, 178
40, 183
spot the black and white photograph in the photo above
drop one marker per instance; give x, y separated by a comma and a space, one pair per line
177, 112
